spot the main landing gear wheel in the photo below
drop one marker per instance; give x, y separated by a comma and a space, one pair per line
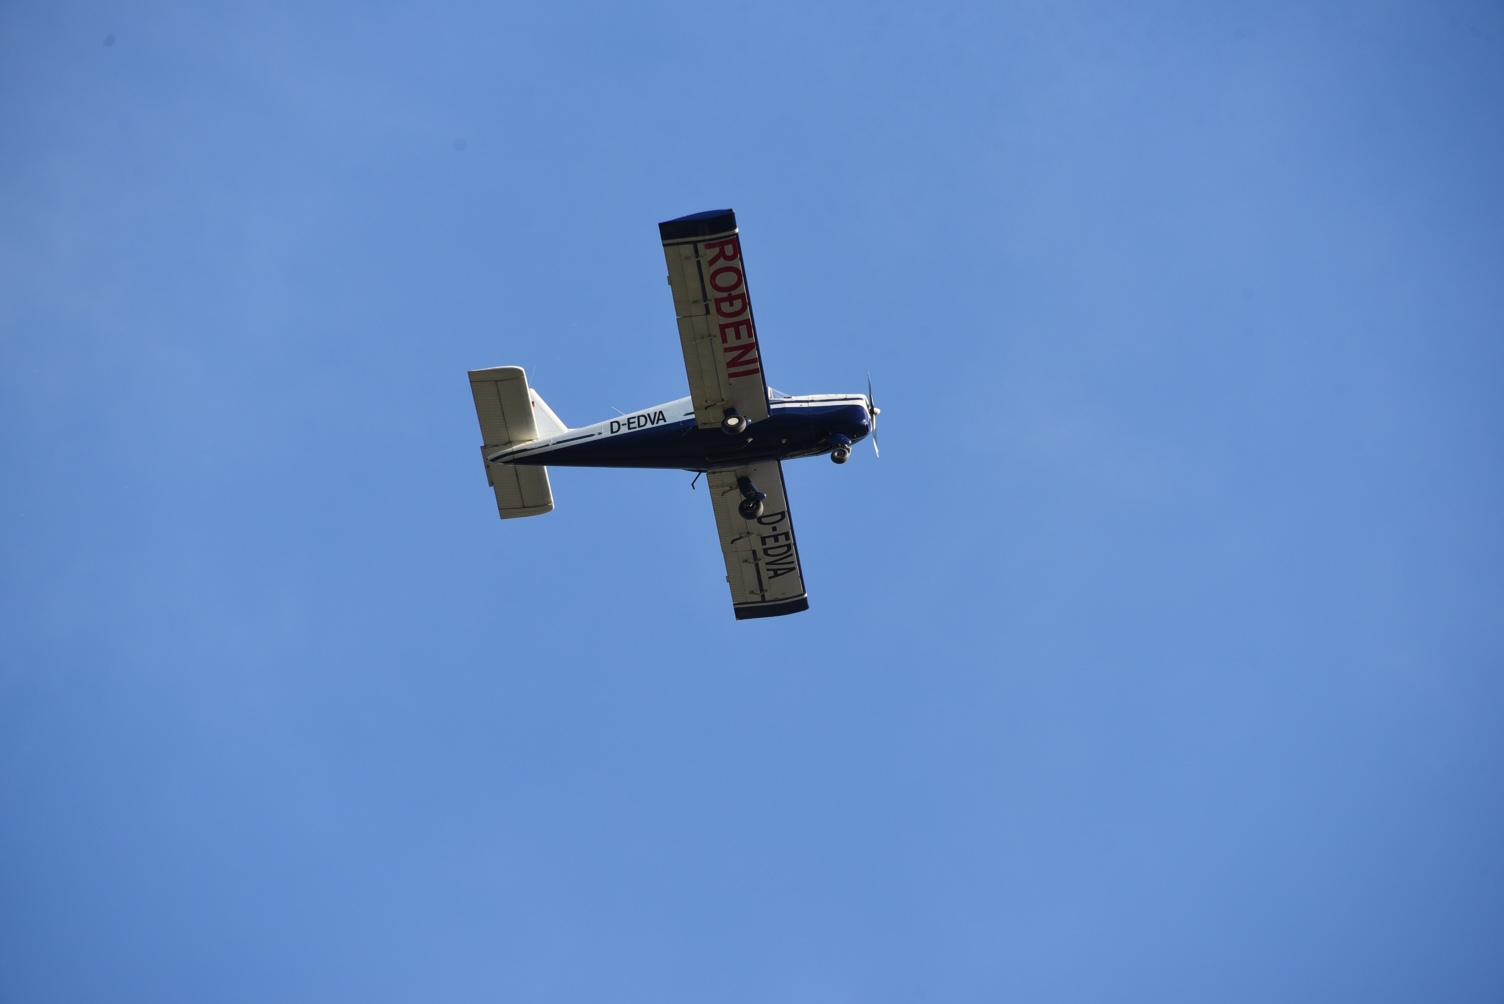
751, 504
734, 424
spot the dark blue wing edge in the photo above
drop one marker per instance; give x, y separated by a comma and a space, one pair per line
747, 611
712, 221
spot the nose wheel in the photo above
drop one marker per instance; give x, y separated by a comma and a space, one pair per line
751, 505
842, 451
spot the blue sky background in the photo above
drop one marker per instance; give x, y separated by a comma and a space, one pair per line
1158, 659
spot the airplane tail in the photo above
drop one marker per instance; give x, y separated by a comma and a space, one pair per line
511, 414
547, 422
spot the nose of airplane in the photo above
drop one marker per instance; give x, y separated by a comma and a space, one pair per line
861, 423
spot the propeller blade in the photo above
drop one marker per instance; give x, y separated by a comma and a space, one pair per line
873, 411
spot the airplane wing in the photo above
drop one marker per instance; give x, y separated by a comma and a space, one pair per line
762, 558
716, 330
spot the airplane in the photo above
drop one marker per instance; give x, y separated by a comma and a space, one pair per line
732, 427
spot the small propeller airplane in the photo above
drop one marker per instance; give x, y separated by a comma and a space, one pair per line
733, 428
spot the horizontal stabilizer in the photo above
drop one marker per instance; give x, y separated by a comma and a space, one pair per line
520, 491
505, 406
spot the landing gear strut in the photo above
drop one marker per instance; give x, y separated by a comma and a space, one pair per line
751, 504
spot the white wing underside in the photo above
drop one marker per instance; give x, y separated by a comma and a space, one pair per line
762, 556
717, 333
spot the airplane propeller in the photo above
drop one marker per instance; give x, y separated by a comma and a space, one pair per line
873, 410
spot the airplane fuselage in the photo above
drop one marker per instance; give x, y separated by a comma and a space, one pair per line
667, 436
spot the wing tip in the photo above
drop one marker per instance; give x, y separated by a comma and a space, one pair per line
712, 221
777, 608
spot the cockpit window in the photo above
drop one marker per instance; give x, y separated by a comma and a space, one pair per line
775, 394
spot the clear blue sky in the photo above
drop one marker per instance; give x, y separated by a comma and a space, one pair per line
1160, 658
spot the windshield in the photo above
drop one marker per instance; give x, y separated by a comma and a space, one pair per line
774, 394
